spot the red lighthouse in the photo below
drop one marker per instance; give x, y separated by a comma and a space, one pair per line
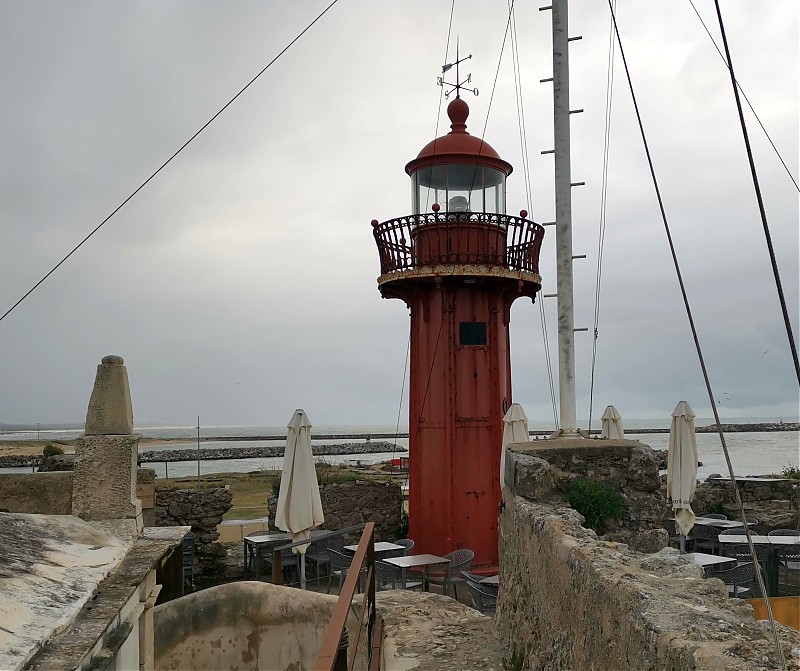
459, 262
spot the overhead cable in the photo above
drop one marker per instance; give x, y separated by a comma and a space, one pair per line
747, 100
764, 224
698, 349
167, 162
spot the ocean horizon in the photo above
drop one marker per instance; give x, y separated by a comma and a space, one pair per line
760, 453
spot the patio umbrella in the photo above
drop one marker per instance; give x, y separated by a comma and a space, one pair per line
682, 466
612, 424
515, 430
299, 507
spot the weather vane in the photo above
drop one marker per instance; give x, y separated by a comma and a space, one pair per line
458, 85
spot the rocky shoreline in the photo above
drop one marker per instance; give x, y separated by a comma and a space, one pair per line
212, 454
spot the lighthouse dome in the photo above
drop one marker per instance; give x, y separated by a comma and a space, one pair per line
458, 145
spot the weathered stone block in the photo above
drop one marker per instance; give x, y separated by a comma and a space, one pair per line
531, 476
110, 410
104, 485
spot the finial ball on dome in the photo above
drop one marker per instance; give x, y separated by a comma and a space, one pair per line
458, 111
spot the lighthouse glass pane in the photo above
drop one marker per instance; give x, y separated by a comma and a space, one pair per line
430, 185
460, 187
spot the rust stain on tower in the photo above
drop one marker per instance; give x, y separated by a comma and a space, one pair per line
458, 262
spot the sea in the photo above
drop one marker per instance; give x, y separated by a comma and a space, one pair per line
761, 453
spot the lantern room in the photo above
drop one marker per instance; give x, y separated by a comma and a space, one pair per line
458, 171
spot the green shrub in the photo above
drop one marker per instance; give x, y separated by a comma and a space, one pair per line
792, 472
597, 502
51, 450
717, 508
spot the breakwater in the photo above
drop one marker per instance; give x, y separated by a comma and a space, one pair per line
211, 454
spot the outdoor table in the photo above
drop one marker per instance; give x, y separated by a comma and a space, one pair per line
719, 524
712, 562
381, 547
491, 580
418, 561
772, 561
258, 543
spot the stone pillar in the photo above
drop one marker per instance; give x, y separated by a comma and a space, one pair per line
104, 487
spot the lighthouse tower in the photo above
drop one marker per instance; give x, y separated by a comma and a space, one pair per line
458, 262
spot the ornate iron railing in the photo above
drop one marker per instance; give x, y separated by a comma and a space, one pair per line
476, 238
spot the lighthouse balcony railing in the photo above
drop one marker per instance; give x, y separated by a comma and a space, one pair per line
476, 238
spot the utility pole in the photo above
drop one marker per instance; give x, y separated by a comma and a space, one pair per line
563, 203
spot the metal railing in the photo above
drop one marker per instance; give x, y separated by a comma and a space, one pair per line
332, 655
479, 238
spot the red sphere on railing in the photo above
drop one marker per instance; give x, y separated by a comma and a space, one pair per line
435, 207
374, 223
523, 214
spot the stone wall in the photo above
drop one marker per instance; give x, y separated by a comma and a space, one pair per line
548, 468
37, 493
775, 503
571, 601
50, 493
202, 510
349, 503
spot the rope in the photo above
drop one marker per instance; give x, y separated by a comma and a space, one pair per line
399, 409
696, 339
523, 142
168, 161
747, 100
603, 201
762, 211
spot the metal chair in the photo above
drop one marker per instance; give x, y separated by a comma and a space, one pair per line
407, 543
788, 557
334, 543
317, 553
389, 576
738, 579
340, 565
741, 552
715, 516
752, 522
706, 538
483, 598
736, 531
784, 532
460, 560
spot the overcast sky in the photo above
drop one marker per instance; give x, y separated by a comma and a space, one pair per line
240, 283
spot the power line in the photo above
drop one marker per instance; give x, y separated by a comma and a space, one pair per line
696, 338
747, 100
167, 162
526, 171
773, 261
603, 202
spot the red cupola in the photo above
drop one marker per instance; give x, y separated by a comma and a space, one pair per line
461, 166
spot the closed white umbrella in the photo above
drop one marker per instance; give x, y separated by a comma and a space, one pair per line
611, 424
299, 507
515, 430
682, 466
